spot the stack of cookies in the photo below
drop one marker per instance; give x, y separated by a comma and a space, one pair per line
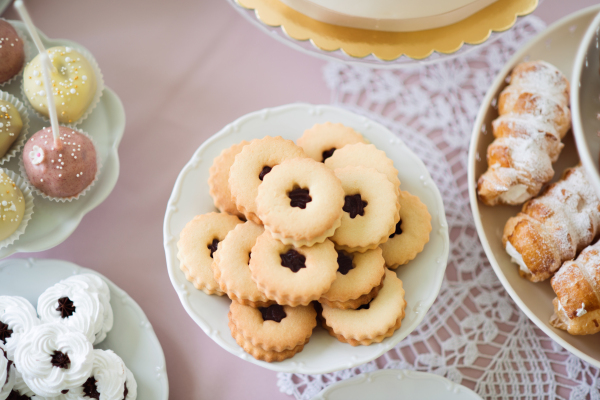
323, 219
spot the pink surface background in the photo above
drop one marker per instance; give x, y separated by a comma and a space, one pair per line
183, 70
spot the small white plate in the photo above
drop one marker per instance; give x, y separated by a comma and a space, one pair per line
556, 45
422, 277
387, 384
132, 336
53, 222
585, 101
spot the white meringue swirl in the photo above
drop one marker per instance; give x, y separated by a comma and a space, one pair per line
20, 316
91, 297
20, 385
110, 374
7, 376
131, 386
34, 358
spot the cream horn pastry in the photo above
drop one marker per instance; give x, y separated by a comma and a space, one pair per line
553, 227
534, 117
577, 288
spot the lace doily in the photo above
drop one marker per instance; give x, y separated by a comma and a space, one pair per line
474, 334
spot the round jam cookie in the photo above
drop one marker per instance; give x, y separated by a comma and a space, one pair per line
273, 333
366, 155
81, 302
322, 140
359, 279
106, 381
7, 376
370, 209
63, 173
73, 82
300, 202
411, 232
292, 276
12, 206
250, 167
53, 358
11, 125
197, 243
372, 322
218, 181
17, 316
231, 268
12, 52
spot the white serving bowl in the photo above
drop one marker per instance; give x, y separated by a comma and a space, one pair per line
556, 45
422, 277
585, 101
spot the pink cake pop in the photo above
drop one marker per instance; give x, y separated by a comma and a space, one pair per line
64, 172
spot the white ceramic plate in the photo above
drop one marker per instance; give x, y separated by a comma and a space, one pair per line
132, 336
556, 45
422, 277
388, 384
585, 101
53, 222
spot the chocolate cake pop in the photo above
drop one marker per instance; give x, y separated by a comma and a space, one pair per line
12, 52
60, 172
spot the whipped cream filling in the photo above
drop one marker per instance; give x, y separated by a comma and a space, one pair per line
581, 311
516, 194
516, 257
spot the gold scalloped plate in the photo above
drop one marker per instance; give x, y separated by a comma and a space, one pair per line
388, 46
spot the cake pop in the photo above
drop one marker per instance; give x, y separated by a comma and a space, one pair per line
12, 52
10, 125
60, 172
12, 206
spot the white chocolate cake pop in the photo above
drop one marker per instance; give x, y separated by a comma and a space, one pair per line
73, 84
12, 206
10, 125
62, 173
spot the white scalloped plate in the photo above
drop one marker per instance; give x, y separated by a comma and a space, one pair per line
556, 45
585, 101
386, 384
132, 336
422, 277
53, 222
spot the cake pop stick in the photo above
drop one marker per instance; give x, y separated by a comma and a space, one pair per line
46, 66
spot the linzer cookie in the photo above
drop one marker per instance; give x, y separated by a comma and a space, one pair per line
197, 243
273, 333
370, 209
231, 265
322, 140
366, 155
359, 279
218, 181
300, 202
289, 275
250, 167
411, 233
372, 322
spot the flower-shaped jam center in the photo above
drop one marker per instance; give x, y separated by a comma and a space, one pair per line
344, 261
299, 198
354, 205
263, 172
213, 247
328, 153
398, 230
293, 260
273, 313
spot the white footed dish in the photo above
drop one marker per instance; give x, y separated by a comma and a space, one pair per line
379, 385
556, 45
132, 337
190, 197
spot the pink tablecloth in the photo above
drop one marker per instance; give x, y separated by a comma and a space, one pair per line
183, 70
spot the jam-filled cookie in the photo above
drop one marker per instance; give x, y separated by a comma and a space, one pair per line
197, 243
250, 167
218, 182
372, 322
322, 140
300, 202
370, 209
366, 155
292, 275
411, 233
359, 279
231, 265
271, 333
